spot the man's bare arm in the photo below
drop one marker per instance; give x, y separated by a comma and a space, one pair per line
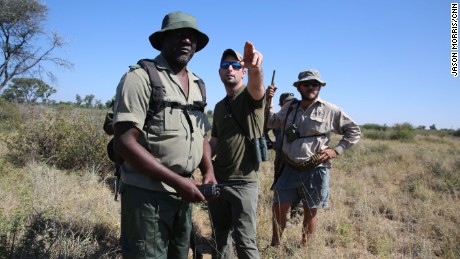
126, 144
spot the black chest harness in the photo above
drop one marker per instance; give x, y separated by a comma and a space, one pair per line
157, 103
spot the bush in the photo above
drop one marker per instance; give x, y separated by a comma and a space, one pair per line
68, 140
404, 132
456, 133
9, 115
375, 134
373, 126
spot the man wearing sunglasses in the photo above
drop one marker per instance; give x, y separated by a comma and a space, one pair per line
306, 127
238, 119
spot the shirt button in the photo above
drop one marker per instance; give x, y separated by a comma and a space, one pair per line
190, 157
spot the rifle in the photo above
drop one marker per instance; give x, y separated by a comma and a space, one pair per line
282, 162
269, 100
267, 110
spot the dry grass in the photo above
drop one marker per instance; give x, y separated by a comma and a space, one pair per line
388, 200
48, 213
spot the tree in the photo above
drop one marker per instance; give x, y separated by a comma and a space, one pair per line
28, 90
78, 100
433, 127
21, 30
89, 100
98, 104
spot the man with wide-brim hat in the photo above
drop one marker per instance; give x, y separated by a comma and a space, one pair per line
157, 189
306, 127
309, 75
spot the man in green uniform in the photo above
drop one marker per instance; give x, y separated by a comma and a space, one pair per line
238, 121
162, 152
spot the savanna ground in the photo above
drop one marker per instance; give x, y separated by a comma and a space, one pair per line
389, 198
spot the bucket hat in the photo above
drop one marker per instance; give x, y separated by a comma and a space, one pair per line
178, 20
310, 74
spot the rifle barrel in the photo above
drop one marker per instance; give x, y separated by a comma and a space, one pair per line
269, 100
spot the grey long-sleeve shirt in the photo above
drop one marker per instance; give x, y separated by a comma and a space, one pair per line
320, 117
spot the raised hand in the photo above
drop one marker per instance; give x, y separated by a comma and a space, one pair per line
251, 58
270, 93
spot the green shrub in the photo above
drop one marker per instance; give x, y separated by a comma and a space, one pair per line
375, 134
403, 132
9, 115
68, 140
373, 126
456, 133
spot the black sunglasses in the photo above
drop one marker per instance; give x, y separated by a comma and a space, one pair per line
313, 84
234, 64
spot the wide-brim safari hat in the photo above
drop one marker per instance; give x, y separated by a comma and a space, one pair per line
179, 20
310, 74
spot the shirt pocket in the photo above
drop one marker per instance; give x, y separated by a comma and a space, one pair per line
318, 124
173, 119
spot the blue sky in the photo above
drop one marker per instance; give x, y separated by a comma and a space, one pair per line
384, 62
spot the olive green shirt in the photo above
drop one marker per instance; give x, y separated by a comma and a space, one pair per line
235, 159
320, 117
169, 137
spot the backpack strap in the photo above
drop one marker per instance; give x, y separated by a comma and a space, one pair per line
202, 88
157, 103
228, 107
157, 95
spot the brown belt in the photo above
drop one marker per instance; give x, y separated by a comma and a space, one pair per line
304, 165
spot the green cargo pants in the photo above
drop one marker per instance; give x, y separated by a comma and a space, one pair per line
233, 214
154, 224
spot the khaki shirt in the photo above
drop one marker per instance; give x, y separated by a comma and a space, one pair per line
320, 117
169, 137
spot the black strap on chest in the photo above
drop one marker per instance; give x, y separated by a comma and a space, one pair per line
293, 121
157, 103
287, 115
228, 107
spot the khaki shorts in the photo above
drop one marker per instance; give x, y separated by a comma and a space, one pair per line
312, 189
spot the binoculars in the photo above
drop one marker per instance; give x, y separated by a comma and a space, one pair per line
291, 133
260, 149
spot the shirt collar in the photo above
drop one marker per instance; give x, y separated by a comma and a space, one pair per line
319, 100
238, 92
